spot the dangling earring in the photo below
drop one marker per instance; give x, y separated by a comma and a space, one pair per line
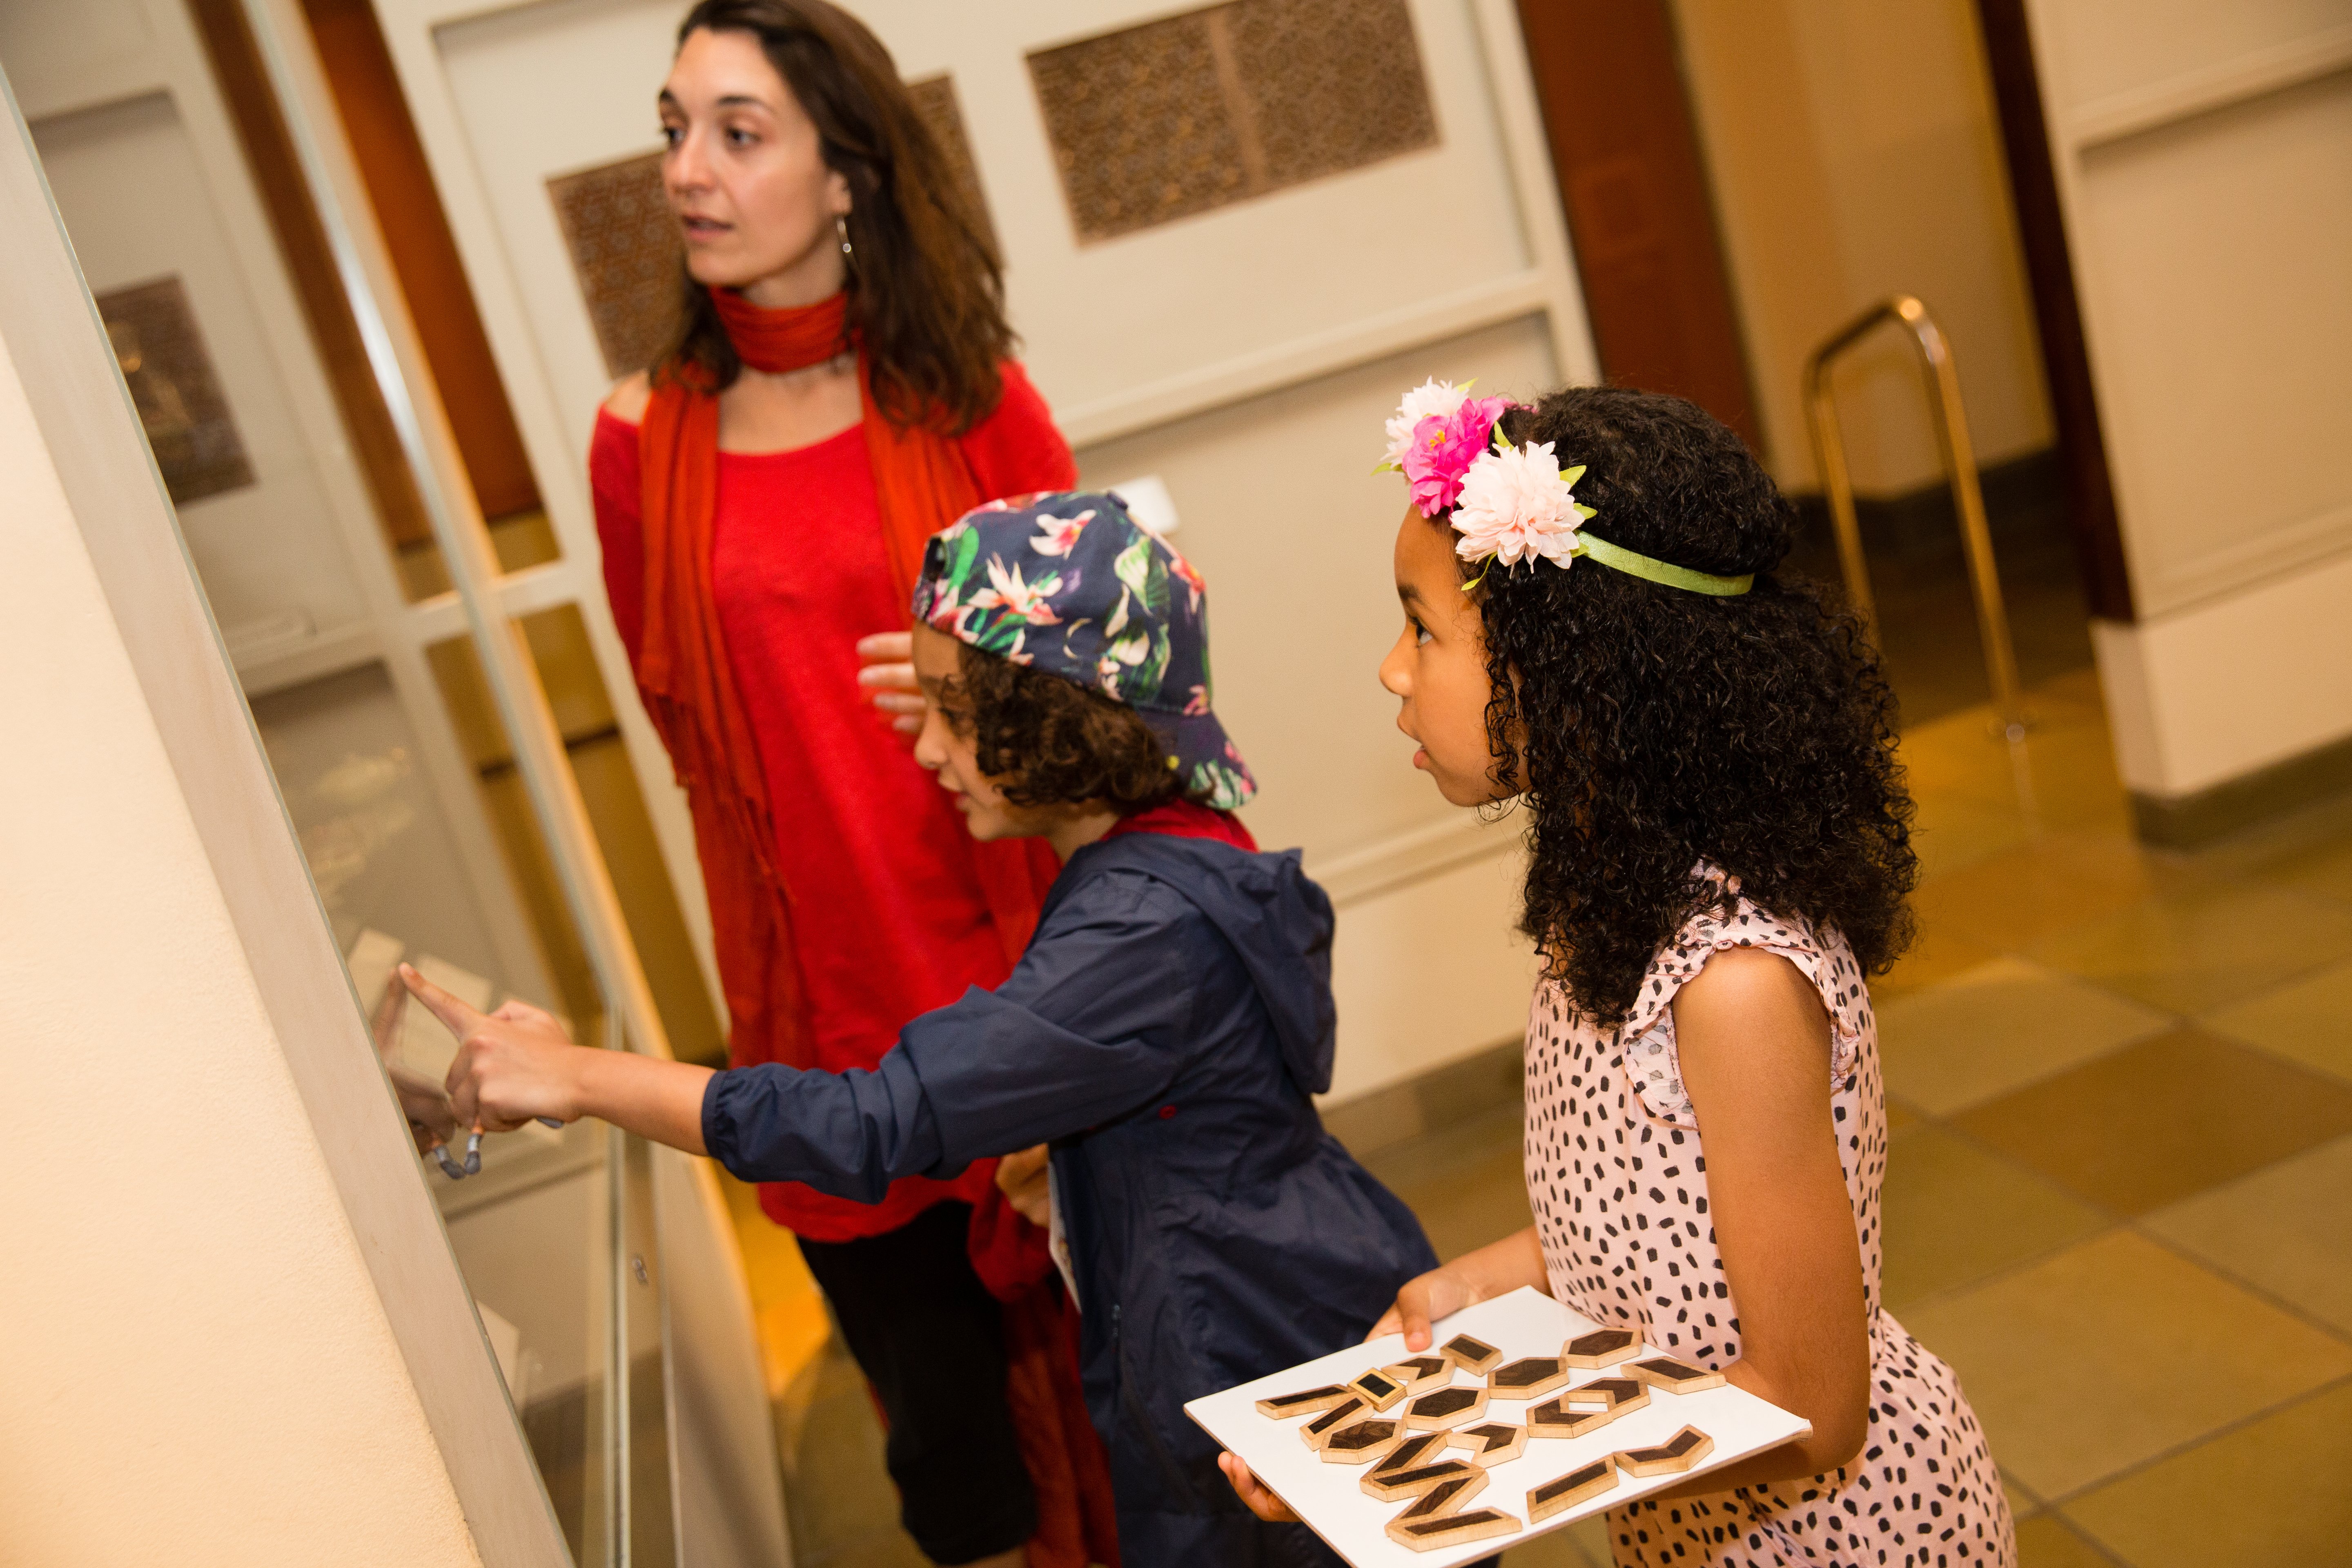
841, 227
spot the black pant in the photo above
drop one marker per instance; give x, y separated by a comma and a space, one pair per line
930, 1339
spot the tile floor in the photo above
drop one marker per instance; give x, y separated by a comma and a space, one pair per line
2119, 1186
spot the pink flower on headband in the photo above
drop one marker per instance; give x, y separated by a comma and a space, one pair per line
1516, 506
1444, 446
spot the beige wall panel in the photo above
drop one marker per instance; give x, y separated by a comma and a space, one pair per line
2223, 323
2102, 49
2215, 692
1853, 155
1282, 512
184, 1280
1431, 973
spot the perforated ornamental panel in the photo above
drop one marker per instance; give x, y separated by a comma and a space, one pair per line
1180, 116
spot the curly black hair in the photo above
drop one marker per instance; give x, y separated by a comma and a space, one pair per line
1647, 728
1045, 741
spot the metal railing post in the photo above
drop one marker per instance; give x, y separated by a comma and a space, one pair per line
1959, 471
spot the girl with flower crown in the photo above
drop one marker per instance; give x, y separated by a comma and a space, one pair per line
1719, 854
840, 390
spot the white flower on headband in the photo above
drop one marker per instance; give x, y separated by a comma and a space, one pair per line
1516, 506
1431, 398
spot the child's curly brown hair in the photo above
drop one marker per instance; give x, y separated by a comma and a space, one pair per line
1045, 741
1649, 727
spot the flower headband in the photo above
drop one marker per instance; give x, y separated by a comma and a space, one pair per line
1509, 503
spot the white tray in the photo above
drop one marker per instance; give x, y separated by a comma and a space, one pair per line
1526, 1323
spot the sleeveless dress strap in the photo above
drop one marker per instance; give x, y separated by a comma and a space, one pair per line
1652, 1060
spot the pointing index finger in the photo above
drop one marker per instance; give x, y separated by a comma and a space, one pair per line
460, 1019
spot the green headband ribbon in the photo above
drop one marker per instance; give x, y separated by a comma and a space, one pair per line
1593, 547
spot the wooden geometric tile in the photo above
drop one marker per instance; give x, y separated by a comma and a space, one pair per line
1281, 1406
1676, 1455
1474, 1356
1450, 1530
1318, 1432
1671, 1377
1361, 1443
1585, 1481
1603, 1347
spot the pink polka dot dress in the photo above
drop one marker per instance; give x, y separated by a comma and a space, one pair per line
1617, 1177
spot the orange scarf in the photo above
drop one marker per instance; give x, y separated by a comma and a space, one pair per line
923, 482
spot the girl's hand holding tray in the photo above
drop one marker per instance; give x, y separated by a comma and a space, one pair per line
1532, 1484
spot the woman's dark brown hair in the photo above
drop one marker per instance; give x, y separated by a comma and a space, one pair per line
926, 286
1049, 741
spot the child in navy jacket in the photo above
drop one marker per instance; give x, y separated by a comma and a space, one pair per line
1164, 1033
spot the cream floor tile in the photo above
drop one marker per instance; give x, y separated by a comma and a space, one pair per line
2307, 1020
2276, 1491
1953, 832
2022, 1502
2195, 949
2154, 1123
2286, 1228
1466, 1183
1998, 1026
2054, 884
1937, 956
2046, 1542
1956, 1214
2106, 1355
2308, 852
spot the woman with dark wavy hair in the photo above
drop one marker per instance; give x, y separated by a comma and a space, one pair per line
1720, 852
840, 390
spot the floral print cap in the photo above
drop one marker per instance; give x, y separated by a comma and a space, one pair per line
1071, 584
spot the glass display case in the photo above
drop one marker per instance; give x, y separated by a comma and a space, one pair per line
465, 784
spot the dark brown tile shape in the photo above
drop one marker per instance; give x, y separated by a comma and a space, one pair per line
1362, 1435
1283, 1404
1409, 1454
1470, 1354
1444, 1402
1391, 1485
1331, 1420
1585, 1481
1526, 1371
2158, 1121
1601, 1347
1428, 1534
182, 409
1445, 1498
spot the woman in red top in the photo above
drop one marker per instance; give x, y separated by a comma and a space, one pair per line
839, 391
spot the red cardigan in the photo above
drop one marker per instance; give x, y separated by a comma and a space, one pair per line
888, 919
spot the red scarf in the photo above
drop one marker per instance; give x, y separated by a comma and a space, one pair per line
921, 483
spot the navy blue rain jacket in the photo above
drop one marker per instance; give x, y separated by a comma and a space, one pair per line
1163, 1032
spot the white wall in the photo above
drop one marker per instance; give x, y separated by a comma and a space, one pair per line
198, 1368
1853, 155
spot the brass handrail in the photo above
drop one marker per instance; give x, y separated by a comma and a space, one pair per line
1959, 471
